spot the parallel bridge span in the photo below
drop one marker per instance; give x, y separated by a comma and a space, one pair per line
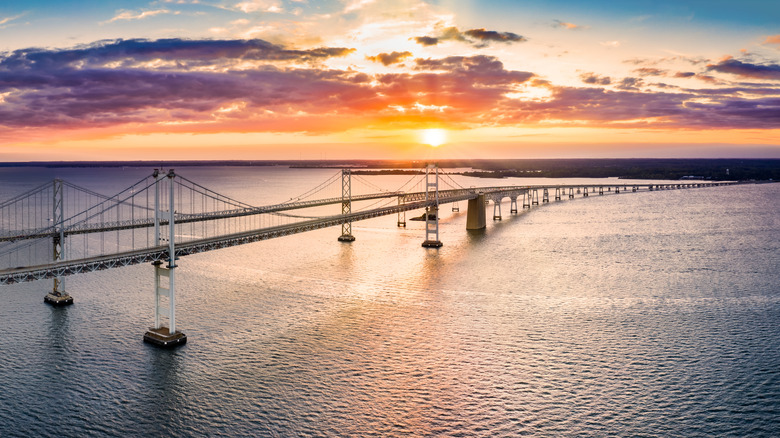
125, 213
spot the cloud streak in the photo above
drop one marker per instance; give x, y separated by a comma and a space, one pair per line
130, 15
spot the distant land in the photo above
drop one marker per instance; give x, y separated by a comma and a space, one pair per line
727, 169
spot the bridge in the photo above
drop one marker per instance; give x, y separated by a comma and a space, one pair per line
60, 229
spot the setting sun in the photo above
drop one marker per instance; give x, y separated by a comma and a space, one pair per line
434, 137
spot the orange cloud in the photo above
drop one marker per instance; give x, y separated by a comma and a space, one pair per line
773, 40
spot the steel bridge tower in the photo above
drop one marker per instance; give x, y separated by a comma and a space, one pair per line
432, 212
58, 296
346, 205
165, 276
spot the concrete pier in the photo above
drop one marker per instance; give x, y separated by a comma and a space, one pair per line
475, 217
58, 299
162, 337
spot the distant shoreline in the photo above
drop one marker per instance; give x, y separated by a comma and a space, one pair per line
715, 169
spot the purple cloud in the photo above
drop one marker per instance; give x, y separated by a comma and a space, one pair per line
746, 70
592, 78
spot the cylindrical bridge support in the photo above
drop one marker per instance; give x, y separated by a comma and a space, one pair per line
475, 216
513, 205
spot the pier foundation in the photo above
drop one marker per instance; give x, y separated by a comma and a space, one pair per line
58, 299
475, 216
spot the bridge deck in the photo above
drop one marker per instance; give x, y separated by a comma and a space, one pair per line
409, 201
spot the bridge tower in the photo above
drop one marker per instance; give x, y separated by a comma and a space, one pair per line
432, 213
346, 205
164, 276
58, 296
401, 214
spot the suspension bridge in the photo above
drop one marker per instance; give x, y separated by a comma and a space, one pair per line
60, 229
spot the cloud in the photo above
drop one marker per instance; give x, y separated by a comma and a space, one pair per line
493, 36
773, 40
592, 78
569, 26
610, 44
477, 37
130, 15
251, 6
630, 84
176, 85
707, 78
357, 5
5, 20
650, 71
390, 58
684, 74
182, 53
746, 69
426, 40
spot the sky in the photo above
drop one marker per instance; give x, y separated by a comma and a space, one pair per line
376, 79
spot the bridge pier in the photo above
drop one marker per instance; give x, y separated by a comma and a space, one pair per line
58, 296
571, 192
160, 336
513, 205
496, 210
527, 199
557, 193
535, 198
475, 215
545, 196
585, 192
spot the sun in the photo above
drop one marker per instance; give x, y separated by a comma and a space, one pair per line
434, 137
